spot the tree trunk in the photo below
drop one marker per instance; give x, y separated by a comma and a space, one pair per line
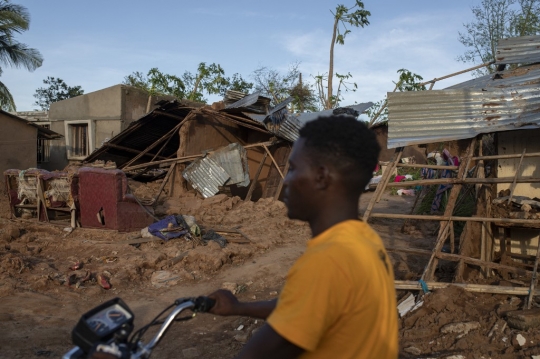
331, 67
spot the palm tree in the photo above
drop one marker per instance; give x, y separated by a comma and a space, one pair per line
14, 19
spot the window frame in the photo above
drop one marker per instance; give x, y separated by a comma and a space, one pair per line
69, 141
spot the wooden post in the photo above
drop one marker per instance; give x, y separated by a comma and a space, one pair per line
256, 178
382, 184
518, 169
280, 186
535, 272
274, 161
429, 271
390, 170
169, 173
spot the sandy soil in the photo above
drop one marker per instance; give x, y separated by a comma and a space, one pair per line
42, 298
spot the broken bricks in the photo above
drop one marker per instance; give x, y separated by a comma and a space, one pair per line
523, 319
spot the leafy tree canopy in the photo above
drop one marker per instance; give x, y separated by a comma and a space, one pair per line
495, 20
57, 90
208, 80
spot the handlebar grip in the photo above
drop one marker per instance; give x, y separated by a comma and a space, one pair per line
203, 304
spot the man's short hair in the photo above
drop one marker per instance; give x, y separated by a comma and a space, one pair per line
345, 143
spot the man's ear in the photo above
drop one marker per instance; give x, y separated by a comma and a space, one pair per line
323, 177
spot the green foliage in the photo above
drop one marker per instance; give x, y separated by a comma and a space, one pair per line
354, 16
57, 90
343, 86
279, 86
157, 83
209, 79
344, 18
407, 81
14, 19
494, 20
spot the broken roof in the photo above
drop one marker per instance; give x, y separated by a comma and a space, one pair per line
43, 133
506, 100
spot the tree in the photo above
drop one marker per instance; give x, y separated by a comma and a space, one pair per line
14, 19
495, 20
407, 81
209, 79
156, 83
354, 16
280, 86
57, 90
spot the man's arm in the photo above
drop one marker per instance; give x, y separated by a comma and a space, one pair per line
267, 343
228, 304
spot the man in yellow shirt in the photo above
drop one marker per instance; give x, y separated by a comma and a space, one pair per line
339, 299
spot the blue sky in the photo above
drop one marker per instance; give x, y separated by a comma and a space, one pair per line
95, 44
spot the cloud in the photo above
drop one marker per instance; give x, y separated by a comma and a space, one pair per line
425, 44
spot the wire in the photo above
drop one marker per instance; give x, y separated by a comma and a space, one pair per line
139, 333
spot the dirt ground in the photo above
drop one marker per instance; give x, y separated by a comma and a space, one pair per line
43, 294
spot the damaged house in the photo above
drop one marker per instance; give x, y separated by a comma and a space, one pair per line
499, 116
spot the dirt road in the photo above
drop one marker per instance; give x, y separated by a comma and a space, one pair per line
42, 298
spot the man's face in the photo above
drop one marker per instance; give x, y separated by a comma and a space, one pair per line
299, 185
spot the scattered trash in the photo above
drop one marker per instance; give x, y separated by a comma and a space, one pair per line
103, 281
77, 265
406, 192
240, 327
164, 278
211, 235
406, 305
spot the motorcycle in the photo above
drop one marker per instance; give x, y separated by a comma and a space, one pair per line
109, 326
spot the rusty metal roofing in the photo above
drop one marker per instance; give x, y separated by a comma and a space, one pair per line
286, 125
206, 176
518, 50
254, 102
525, 75
443, 115
233, 159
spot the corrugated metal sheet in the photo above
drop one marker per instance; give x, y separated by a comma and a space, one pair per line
286, 125
251, 103
527, 75
206, 176
306, 117
518, 50
233, 159
443, 115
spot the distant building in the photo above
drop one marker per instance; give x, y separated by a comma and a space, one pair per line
87, 121
20, 142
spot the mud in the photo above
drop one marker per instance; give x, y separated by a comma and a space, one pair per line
49, 277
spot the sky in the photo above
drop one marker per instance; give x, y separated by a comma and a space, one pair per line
95, 44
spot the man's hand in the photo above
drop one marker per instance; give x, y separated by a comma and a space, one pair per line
226, 303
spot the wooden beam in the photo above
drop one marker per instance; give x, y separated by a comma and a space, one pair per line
169, 173
280, 186
535, 272
161, 139
428, 182
477, 288
274, 161
418, 165
504, 157
382, 184
192, 157
518, 169
453, 218
444, 230
256, 178
127, 149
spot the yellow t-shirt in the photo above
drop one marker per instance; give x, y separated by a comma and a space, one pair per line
339, 299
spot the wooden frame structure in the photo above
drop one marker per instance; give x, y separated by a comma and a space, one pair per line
447, 219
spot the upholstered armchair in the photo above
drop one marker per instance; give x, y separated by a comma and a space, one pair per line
105, 202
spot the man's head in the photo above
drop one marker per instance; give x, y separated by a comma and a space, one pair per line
333, 160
